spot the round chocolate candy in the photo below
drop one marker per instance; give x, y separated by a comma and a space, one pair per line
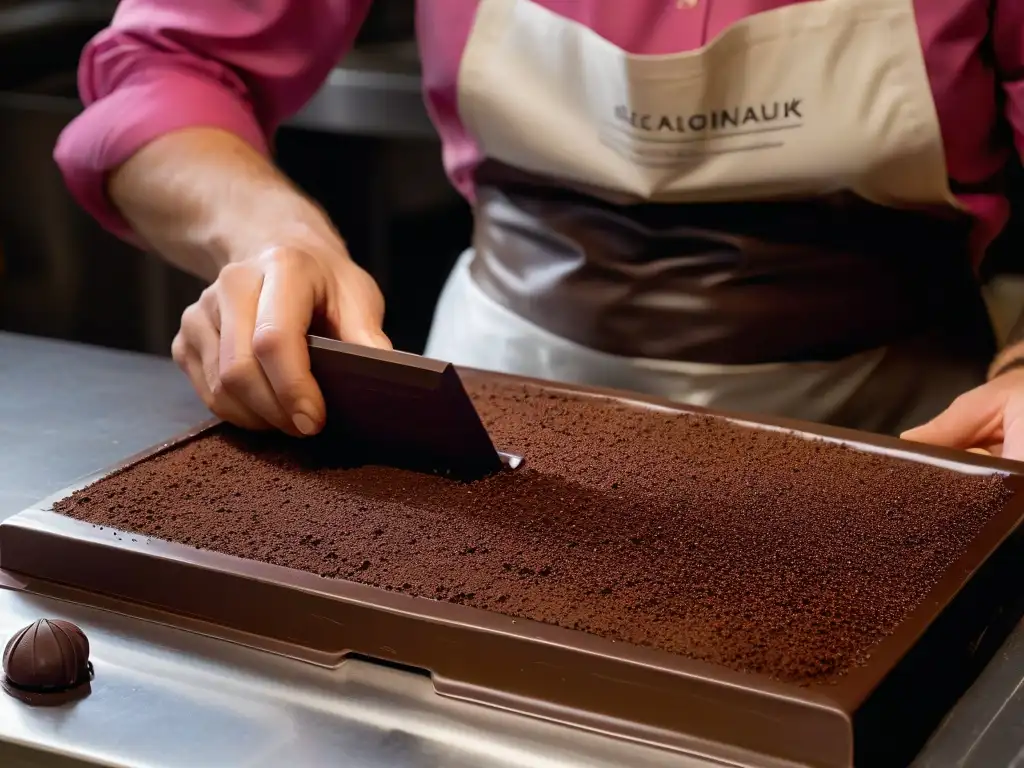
45, 661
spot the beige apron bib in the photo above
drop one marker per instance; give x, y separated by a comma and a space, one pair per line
804, 100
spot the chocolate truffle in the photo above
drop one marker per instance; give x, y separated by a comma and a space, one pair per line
47, 662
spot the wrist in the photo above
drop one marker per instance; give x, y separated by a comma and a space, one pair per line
203, 198
276, 218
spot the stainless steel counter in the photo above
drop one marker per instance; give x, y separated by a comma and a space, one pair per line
165, 697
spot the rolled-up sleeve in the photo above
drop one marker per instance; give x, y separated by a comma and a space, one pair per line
164, 65
1008, 42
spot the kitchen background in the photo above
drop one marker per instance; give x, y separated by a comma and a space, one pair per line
364, 148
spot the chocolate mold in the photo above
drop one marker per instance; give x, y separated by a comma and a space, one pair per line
877, 714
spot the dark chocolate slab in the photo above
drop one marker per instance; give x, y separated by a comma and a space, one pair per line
402, 410
878, 714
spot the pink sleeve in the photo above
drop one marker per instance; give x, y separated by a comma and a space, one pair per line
1008, 41
163, 65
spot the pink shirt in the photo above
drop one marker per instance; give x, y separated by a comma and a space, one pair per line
247, 66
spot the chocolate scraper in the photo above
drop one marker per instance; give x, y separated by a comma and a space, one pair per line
399, 409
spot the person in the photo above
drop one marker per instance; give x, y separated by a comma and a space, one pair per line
758, 205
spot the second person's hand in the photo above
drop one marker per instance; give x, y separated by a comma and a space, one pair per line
243, 344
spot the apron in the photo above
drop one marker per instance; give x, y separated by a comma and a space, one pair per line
761, 225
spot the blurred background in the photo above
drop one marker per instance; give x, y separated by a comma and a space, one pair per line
363, 148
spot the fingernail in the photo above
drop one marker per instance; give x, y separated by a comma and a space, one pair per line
302, 422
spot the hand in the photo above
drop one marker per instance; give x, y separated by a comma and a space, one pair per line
988, 418
243, 344
210, 203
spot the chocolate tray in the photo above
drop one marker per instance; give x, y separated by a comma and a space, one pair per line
878, 714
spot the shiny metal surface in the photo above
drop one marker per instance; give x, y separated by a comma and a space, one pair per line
170, 698
68, 410
166, 697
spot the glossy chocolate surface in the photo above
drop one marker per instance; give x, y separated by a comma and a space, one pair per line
878, 714
46, 662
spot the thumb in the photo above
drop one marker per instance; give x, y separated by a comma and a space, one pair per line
967, 422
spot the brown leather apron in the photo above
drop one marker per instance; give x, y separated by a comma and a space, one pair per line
763, 225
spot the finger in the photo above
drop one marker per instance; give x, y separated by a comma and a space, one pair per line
1013, 438
225, 407
360, 309
242, 376
971, 420
293, 288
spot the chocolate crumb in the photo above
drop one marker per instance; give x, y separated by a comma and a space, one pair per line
753, 549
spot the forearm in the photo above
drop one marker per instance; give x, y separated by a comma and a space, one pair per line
156, 84
202, 197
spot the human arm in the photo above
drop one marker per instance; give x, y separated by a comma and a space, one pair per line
171, 152
212, 205
991, 417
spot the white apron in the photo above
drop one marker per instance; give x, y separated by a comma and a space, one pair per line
804, 100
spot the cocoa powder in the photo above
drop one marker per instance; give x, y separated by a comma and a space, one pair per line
752, 549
